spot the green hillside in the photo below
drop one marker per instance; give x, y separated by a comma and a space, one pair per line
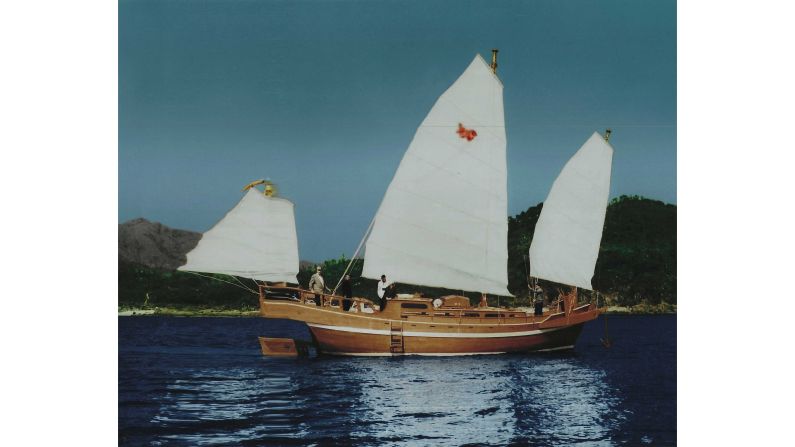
637, 259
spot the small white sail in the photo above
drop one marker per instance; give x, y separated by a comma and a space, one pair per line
443, 221
568, 233
256, 239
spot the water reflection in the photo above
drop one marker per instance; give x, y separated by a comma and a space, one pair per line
404, 401
444, 401
561, 401
223, 406
495, 400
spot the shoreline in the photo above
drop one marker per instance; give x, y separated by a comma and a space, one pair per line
248, 313
187, 312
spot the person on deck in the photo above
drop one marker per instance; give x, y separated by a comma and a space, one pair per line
316, 285
561, 301
382, 291
346, 289
538, 301
484, 302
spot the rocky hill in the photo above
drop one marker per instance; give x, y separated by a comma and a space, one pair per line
154, 245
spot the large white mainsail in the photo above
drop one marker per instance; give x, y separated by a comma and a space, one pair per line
443, 221
566, 241
256, 239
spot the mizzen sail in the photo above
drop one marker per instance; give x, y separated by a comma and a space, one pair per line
256, 239
443, 221
568, 233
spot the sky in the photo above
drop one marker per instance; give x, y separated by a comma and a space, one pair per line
324, 97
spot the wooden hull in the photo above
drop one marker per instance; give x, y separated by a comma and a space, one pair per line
401, 330
343, 342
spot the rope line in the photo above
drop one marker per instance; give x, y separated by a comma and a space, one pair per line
366, 233
241, 283
228, 282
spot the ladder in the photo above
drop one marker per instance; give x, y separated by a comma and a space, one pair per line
396, 337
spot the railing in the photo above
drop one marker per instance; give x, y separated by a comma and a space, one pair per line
473, 316
445, 315
308, 298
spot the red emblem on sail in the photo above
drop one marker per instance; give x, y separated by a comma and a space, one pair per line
463, 132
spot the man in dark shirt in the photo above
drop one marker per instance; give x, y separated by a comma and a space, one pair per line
346, 289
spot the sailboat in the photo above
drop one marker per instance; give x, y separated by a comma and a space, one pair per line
443, 222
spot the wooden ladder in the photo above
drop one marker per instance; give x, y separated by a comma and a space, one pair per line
396, 337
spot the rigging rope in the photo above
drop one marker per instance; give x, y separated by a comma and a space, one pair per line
246, 287
238, 280
366, 233
228, 282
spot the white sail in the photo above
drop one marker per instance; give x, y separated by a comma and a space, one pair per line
568, 233
443, 221
256, 239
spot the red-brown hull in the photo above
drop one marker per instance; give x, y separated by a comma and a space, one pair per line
337, 342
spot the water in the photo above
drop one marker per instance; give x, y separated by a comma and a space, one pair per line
203, 381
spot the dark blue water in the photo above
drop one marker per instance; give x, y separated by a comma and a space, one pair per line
203, 381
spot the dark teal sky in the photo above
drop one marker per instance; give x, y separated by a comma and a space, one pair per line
323, 97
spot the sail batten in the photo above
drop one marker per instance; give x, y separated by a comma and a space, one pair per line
443, 220
256, 239
568, 233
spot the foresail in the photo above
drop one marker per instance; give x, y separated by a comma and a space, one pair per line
443, 221
566, 241
256, 239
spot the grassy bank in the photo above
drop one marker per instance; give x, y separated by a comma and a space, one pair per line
189, 312
643, 309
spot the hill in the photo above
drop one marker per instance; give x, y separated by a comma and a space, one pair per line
154, 245
637, 257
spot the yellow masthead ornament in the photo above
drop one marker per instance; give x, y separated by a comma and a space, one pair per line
270, 188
